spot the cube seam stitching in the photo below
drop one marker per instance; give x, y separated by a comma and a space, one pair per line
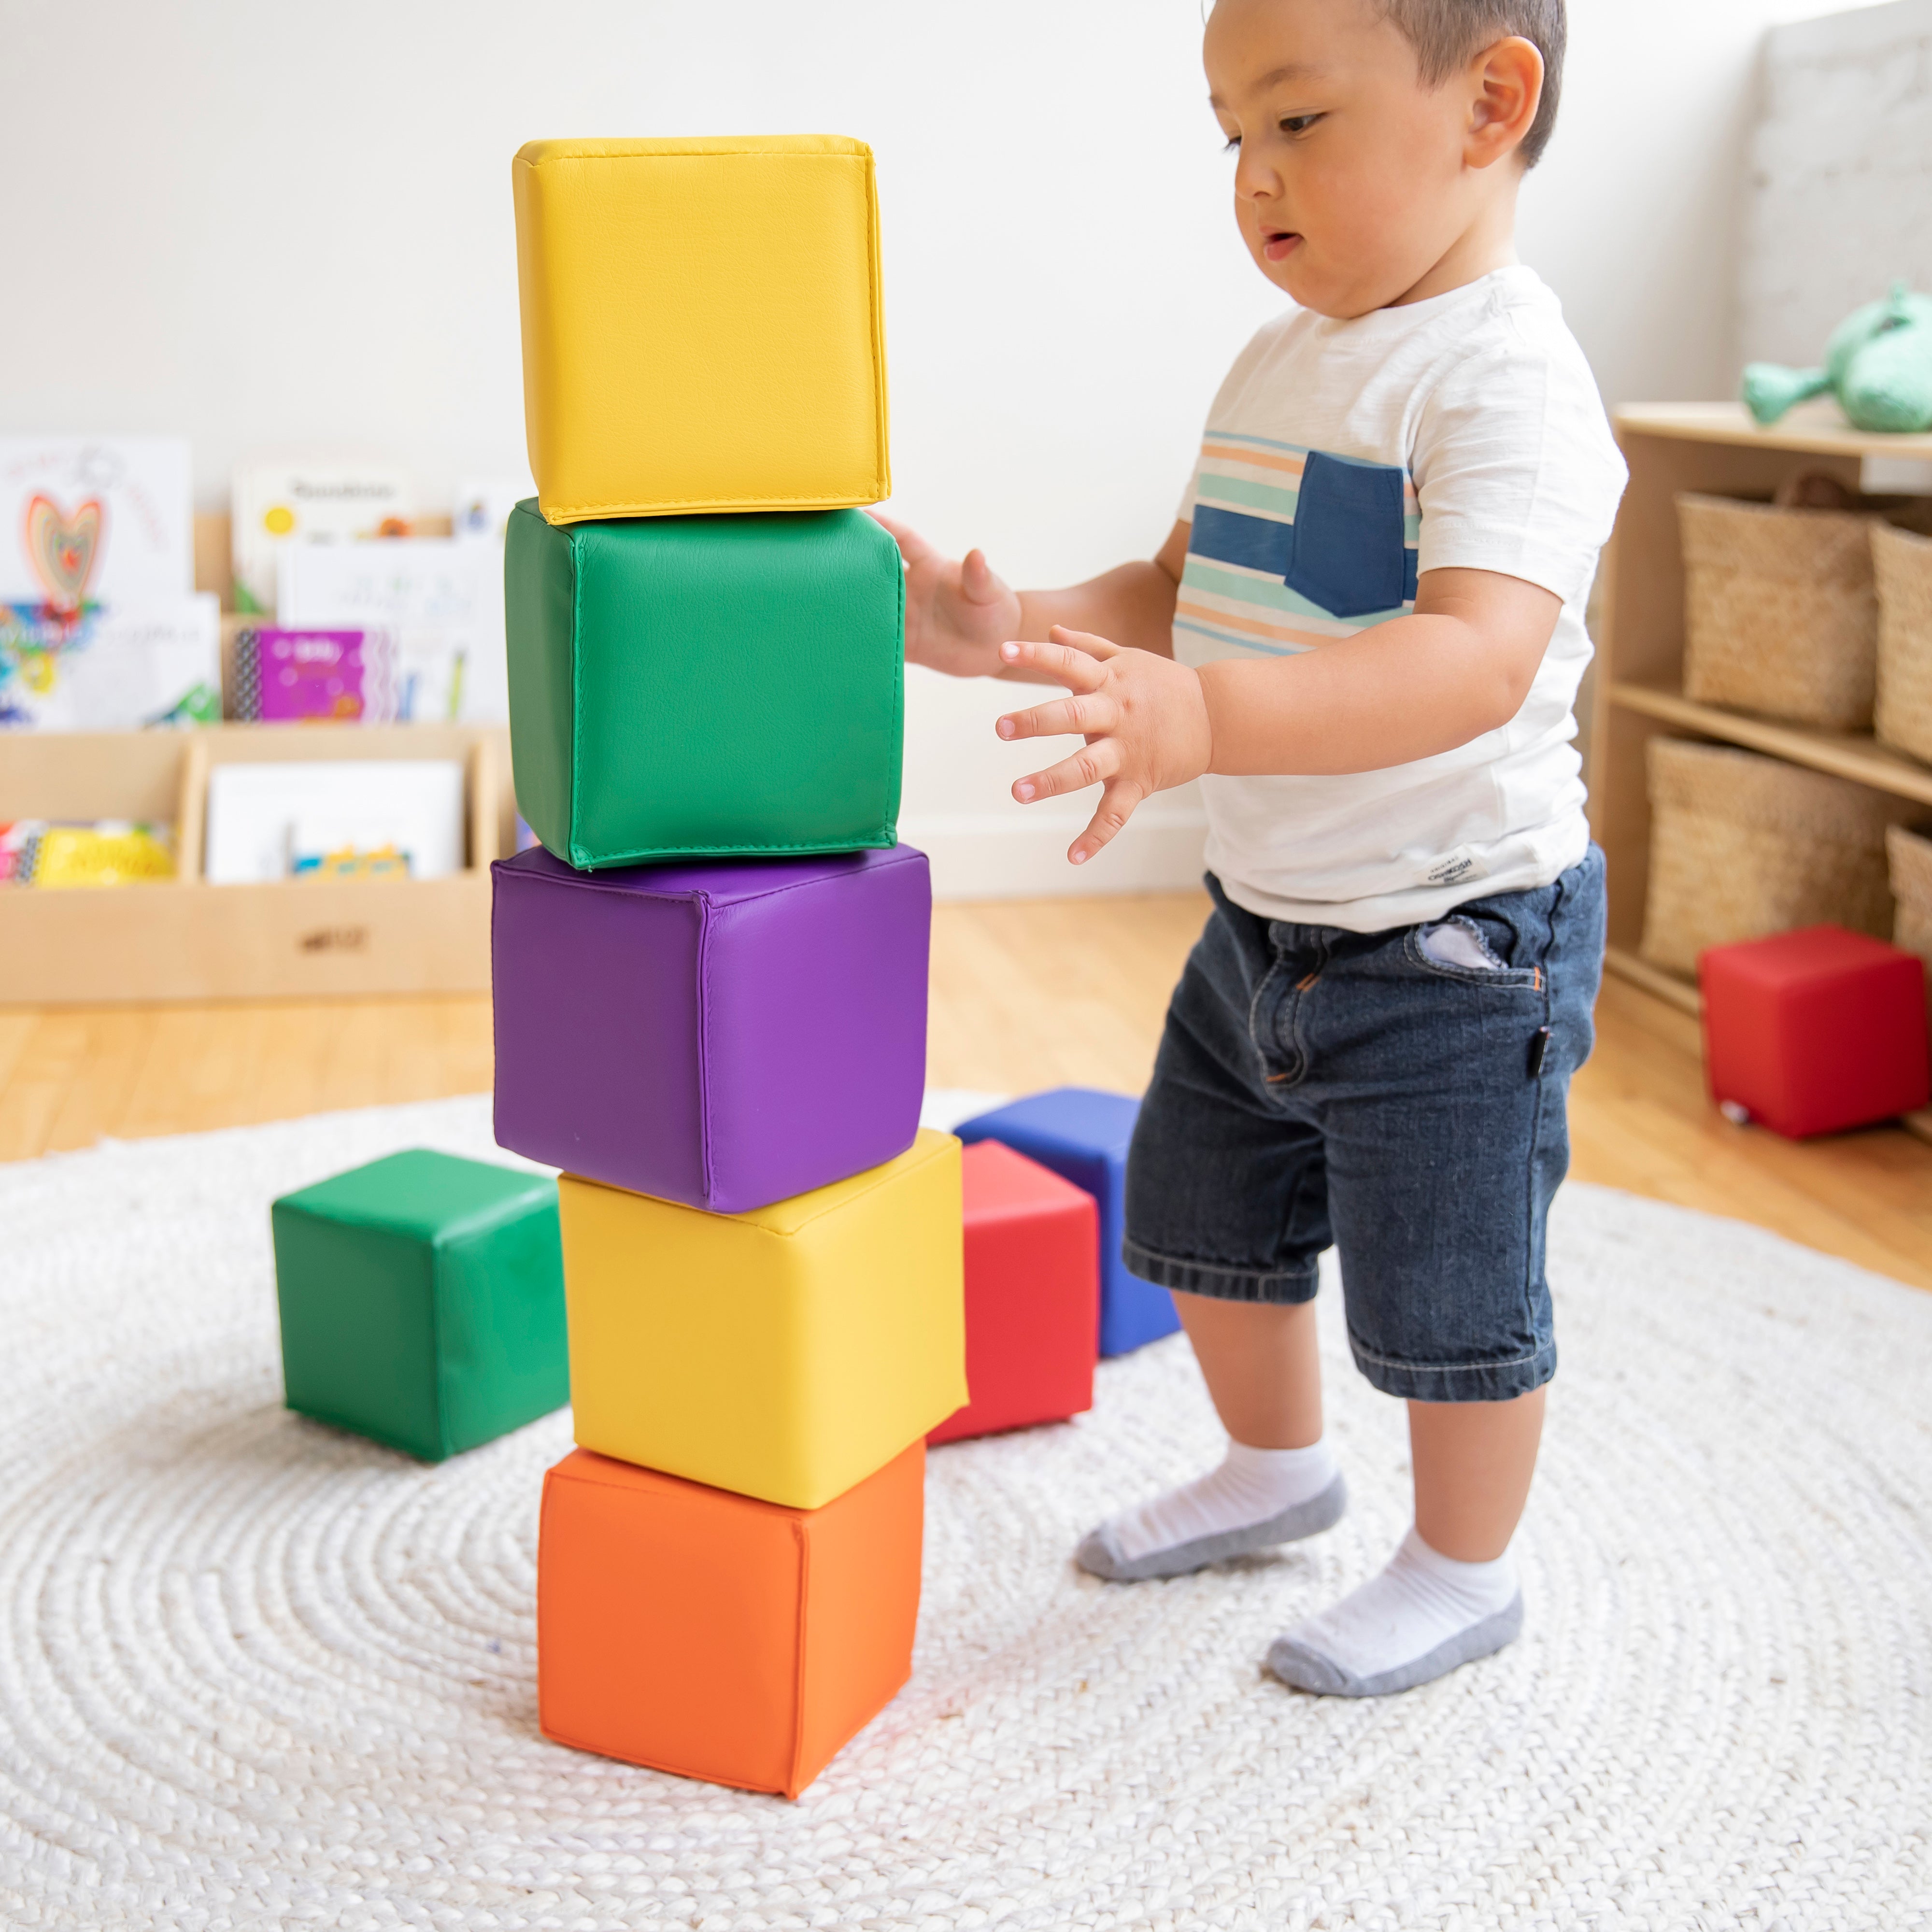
586, 880
576, 852
435, 1284
802, 1548
654, 507
701, 993
747, 1218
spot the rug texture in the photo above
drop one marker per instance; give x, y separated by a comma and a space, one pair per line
255, 1672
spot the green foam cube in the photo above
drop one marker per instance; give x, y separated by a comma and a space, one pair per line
422, 1301
720, 686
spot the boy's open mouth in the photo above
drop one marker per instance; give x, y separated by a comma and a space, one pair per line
1277, 244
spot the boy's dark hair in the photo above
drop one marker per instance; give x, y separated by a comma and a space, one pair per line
1447, 34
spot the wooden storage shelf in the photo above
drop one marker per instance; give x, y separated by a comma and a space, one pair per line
183, 939
1812, 429
1845, 754
1716, 448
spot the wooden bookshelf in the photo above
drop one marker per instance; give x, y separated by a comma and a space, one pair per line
1845, 754
183, 939
1714, 448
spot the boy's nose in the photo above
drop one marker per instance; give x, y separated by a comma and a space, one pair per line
1255, 181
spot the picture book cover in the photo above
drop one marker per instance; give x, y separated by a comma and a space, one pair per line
283, 500
334, 818
92, 521
441, 598
54, 854
110, 668
336, 676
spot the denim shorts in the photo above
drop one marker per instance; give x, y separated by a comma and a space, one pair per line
1316, 1086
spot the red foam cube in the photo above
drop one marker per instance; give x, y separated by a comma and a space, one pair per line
1032, 1295
1812, 1031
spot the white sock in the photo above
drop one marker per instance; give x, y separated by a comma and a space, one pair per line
1424, 1615
1250, 1487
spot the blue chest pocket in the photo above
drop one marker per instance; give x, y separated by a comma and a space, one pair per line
1350, 554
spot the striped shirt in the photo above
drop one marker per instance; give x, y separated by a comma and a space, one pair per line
1242, 552
1342, 461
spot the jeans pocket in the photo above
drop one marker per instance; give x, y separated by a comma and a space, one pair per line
1465, 948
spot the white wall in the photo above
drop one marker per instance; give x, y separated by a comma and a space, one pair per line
261, 226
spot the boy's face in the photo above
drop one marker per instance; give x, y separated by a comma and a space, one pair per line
1351, 184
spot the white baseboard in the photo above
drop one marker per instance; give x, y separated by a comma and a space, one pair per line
986, 857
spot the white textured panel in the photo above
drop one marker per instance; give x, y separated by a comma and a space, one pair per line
1839, 193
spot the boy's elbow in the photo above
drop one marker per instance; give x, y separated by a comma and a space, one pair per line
1513, 671
1512, 694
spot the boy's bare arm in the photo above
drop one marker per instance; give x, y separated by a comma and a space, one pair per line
1460, 666
1408, 689
958, 613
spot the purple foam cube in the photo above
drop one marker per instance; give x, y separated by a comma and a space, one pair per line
725, 1034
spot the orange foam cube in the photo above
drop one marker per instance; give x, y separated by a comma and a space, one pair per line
695, 1630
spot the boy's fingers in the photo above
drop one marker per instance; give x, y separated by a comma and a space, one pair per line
1078, 670
977, 579
1085, 641
912, 547
1063, 716
1094, 765
1116, 806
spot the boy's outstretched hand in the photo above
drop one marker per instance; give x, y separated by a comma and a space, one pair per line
957, 613
1144, 719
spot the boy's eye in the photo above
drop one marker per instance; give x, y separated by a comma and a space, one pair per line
1298, 123
1233, 142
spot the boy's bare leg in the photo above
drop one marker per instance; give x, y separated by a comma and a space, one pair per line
1278, 1482
1450, 1594
1259, 1362
1473, 1463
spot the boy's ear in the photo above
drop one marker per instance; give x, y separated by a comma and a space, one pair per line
1506, 89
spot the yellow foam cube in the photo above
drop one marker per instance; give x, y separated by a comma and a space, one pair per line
702, 326
784, 1354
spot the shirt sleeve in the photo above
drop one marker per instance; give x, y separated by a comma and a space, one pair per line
1516, 470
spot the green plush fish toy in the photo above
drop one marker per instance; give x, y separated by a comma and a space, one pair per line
1878, 364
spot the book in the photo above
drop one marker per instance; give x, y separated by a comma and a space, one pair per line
334, 818
53, 854
89, 520
441, 598
110, 667
482, 511
279, 501
288, 677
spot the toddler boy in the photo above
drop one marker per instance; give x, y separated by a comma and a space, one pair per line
1364, 635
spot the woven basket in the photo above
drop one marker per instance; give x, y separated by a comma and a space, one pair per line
1780, 615
1742, 846
1911, 857
1903, 564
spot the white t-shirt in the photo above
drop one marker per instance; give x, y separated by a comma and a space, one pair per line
1342, 459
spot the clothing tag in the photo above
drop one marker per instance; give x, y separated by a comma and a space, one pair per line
1454, 867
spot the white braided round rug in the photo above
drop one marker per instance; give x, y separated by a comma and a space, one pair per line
254, 1672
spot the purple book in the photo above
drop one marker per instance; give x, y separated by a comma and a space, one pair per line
294, 677
725, 1034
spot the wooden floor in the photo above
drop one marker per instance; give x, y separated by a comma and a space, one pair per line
1024, 995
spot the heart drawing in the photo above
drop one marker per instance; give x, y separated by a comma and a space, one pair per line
64, 550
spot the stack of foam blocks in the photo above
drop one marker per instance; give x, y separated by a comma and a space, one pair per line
710, 979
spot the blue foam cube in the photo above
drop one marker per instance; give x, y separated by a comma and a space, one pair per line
1082, 1134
